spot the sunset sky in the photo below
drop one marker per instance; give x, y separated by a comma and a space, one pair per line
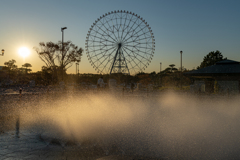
195, 27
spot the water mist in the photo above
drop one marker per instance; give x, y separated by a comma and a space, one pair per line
169, 126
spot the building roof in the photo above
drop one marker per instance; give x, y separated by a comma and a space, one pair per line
221, 68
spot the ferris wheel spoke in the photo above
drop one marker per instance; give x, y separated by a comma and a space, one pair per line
102, 51
131, 58
133, 35
92, 38
145, 53
109, 59
147, 59
120, 28
118, 21
107, 34
92, 43
98, 60
129, 62
141, 35
112, 29
120, 25
117, 28
120, 17
117, 32
132, 30
105, 66
96, 43
138, 44
108, 29
135, 46
105, 26
104, 45
138, 40
128, 26
97, 54
123, 29
107, 56
127, 31
137, 54
142, 47
101, 37
125, 26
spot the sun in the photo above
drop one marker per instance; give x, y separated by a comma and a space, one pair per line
24, 52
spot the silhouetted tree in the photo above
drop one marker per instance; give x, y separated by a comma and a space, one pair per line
27, 65
47, 75
211, 58
10, 66
172, 66
50, 52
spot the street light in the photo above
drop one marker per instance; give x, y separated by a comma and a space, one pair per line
181, 70
2, 52
160, 66
160, 78
181, 60
77, 68
62, 29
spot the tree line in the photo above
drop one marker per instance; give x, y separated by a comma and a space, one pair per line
58, 57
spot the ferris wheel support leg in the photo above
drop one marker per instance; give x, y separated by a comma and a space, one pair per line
114, 61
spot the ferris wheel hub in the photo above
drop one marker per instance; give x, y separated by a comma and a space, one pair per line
119, 45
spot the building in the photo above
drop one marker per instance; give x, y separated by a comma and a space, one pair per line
222, 78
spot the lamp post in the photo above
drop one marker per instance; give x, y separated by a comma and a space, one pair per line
181, 71
160, 73
2, 52
77, 69
160, 67
62, 29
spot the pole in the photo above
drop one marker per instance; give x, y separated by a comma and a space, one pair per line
160, 79
160, 67
76, 68
62, 54
181, 71
62, 29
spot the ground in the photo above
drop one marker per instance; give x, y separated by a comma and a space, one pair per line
63, 124
19, 140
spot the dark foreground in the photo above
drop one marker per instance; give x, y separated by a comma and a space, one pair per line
29, 146
21, 141
87, 125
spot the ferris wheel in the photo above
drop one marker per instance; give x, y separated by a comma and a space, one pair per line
120, 42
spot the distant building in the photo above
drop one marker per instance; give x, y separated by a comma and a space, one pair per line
223, 77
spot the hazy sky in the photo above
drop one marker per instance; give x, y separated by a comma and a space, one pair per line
195, 27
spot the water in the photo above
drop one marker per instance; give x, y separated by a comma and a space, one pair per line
170, 125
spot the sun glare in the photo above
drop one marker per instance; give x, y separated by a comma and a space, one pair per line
24, 52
